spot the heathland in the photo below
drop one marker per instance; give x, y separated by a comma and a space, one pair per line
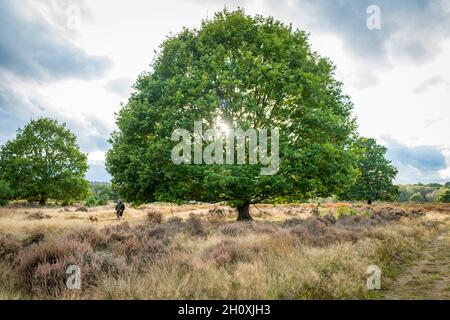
198, 251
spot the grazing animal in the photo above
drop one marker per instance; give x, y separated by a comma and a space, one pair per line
120, 208
93, 219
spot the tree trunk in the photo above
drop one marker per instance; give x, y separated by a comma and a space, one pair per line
244, 213
43, 200
369, 202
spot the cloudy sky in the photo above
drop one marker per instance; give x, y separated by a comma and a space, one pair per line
75, 61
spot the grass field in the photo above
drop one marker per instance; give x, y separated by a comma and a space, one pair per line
164, 251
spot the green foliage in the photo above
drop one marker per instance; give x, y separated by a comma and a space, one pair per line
421, 192
101, 193
94, 201
252, 72
6, 193
375, 173
44, 162
444, 196
346, 211
417, 197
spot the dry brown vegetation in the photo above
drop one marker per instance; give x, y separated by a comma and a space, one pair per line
198, 252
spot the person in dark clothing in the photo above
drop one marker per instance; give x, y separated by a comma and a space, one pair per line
120, 208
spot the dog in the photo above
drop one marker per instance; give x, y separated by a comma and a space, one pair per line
93, 219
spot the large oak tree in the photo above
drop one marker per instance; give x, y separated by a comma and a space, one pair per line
250, 72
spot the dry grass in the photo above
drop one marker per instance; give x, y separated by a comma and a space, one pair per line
197, 252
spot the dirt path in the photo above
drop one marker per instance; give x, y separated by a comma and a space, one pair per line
428, 277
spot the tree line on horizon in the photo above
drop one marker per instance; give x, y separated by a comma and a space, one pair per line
251, 72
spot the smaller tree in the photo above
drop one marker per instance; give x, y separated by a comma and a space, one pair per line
101, 193
444, 196
44, 162
6, 193
417, 197
375, 173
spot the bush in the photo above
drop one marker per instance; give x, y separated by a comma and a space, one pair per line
33, 238
175, 220
234, 229
90, 235
154, 217
9, 247
228, 252
195, 226
6, 193
95, 201
444, 196
315, 211
417, 197
102, 191
42, 267
38, 215
102, 201
91, 202
346, 211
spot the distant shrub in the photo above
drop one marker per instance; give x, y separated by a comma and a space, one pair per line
223, 253
154, 217
346, 211
34, 238
175, 220
107, 263
215, 220
102, 192
315, 211
90, 202
153, 249
262, 228
95, 201
217, 211
195, 227
38, 215
444, 196
9, 246
234, 229
417, 197
229, 252
91, 235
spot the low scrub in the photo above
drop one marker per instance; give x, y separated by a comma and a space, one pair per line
320, 257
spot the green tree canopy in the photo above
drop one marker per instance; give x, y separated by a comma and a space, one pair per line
375, 173
101, 193
44, 162
444, 196
250, 72
6, 193
417, 197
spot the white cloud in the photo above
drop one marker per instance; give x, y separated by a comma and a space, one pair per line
399, 85
96, 157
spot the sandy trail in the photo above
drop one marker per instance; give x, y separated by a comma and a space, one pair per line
428, 277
